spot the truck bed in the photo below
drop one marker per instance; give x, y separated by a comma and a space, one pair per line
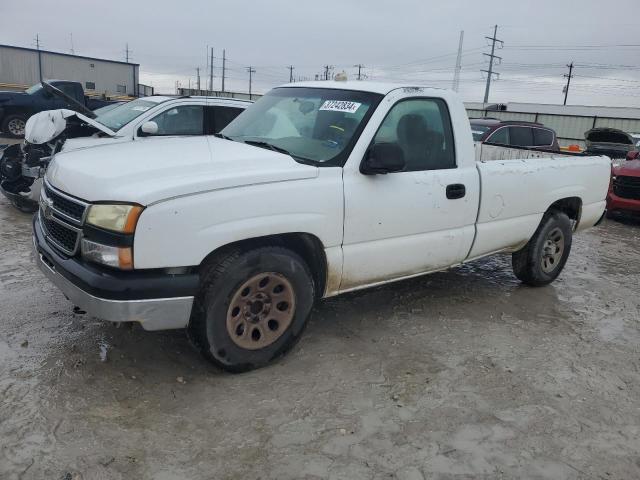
488, 152
516, 192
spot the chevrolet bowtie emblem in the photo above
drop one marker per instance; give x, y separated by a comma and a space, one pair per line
47, 208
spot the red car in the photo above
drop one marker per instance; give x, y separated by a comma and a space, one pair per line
624, 189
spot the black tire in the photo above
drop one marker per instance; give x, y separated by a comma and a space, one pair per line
533, 264
9, 125
221, 281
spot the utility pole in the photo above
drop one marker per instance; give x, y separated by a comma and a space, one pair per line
198, 79
360, 67
568, 77
456, 74
211, 71
39, 57
290, 67
224, 67
251, 71
72, 50
326, 71
492, 57
126, 53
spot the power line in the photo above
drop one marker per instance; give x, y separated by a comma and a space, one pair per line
568, 77
38, 45
251, 71
491, 56
211, 71
456, 74
224, 66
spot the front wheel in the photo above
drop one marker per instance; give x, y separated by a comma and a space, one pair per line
543, 258
13, 126
252, 307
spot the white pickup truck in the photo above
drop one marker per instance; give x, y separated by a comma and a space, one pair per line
317, 189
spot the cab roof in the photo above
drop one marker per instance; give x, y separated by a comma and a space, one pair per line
360, 85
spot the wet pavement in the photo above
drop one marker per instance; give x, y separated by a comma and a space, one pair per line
463, 374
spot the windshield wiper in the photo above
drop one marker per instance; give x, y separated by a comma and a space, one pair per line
220, 135
261, 144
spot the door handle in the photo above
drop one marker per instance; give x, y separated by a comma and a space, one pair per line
456, 190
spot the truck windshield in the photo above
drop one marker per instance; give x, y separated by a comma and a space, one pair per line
33, 89
118, 117
315, 125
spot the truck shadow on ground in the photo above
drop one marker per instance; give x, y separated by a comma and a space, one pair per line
483, 291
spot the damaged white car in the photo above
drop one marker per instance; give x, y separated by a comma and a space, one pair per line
22, 166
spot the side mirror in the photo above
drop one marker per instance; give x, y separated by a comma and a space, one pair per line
633, 155
382, 158
149, 128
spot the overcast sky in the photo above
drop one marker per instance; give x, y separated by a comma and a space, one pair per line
402, 40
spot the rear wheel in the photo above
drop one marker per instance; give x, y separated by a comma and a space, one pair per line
13, 125
252, 307
543, 258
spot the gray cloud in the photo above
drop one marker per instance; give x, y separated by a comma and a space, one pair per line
404, 40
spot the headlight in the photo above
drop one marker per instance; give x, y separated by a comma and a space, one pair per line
117, 218
118, 257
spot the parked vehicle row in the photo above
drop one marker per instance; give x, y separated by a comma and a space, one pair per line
317, 189
50, 132
17, 107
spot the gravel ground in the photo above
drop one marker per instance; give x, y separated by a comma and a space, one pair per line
464, 374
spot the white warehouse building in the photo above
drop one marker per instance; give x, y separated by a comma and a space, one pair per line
22, 67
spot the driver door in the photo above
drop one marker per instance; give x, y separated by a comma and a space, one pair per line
416, 220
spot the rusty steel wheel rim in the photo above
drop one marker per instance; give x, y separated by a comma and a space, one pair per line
261, 310
552, 250
16, 127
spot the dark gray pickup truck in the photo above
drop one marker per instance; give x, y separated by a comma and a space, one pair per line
17, 107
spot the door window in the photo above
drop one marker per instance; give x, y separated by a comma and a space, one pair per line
422, 129
222, 116
183, 120
69, 89
521, 136
542, 137
499, 137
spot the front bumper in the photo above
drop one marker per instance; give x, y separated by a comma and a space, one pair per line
159, 301
616, 203
22, 202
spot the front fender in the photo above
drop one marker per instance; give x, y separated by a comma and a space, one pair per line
183, 231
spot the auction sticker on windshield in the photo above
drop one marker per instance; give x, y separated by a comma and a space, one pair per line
340, 106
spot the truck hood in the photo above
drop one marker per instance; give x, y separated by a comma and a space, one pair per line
87, 142
45, 126
630, 168
608, 141
149, 172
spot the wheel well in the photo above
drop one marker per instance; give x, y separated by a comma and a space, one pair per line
308, 246
571, 207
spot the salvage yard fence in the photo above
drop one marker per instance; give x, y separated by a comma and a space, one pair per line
569, 128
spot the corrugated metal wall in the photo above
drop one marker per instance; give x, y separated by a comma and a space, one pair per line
569, 128
18, 66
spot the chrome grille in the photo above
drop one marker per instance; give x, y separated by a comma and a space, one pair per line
627, 187
61, 217
65, 205
60, 235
